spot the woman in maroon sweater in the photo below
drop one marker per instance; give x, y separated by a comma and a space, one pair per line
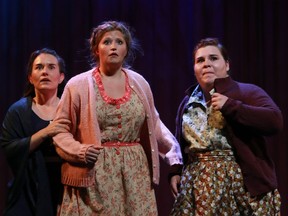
222, 127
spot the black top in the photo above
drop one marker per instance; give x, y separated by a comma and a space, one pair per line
29, 190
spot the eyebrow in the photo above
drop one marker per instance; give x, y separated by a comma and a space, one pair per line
208, 56
45, 64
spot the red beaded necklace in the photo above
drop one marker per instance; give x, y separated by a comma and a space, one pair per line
106, 98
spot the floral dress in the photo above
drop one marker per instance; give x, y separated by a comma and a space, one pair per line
123, 185
211, 181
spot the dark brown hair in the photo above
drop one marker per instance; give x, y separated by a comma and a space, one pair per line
29, 88
211, 42
107, 26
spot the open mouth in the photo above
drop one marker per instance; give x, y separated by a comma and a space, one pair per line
45, 80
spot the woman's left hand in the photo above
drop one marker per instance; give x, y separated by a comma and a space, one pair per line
174, 184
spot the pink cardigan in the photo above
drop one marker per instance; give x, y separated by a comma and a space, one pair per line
78, 105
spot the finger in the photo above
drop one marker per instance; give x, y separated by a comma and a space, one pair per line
91, 160
174, 190
60, 129
93, 151
65, 121
92, 157
96, 149
64, 126
174, 185
62, 121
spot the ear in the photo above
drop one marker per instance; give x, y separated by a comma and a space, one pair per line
30, 80
61, 78
227, 66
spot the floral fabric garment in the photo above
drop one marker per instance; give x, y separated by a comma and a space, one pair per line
123, 184
215, 187
203, 127
212, 181
119, 119
122, 187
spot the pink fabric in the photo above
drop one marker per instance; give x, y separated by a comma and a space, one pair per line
78, 105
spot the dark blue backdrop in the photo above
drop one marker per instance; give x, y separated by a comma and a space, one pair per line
254, 32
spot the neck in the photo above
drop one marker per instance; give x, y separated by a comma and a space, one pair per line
46, 99
111, 74
110, 71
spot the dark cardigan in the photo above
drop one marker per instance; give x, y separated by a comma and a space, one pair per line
29, 191
251, 116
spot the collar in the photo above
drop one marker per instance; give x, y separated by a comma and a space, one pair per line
220, 85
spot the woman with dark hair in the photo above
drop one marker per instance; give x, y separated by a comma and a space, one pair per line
112, 148
222, 127
26, 138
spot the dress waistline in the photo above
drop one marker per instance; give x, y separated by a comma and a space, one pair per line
215, 155
119, 144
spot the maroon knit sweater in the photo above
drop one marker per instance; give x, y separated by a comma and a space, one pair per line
251, 117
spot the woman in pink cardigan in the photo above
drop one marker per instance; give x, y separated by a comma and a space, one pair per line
112, 149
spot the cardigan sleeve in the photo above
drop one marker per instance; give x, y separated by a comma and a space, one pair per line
169, 148
66, 144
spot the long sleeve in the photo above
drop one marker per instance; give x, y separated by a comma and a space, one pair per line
77, 104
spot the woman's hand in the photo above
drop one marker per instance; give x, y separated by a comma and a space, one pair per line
174, 184
218, 100
92, 154
55, 127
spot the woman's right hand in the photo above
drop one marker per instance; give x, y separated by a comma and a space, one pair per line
55, 127
92, 154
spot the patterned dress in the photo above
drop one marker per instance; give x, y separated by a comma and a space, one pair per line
211, 181
122, 185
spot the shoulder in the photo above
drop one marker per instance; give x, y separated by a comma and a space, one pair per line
250, 88
19, 109
22, 103
229, 85
248, 85
247, 92
78, 86
80, 78
135, 77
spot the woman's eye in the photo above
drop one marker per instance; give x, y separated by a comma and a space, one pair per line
199, 60
38, 67
106, 42
213, 58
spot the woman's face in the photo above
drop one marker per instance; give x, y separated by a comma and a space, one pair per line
112, 49
45, 75
209, 65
